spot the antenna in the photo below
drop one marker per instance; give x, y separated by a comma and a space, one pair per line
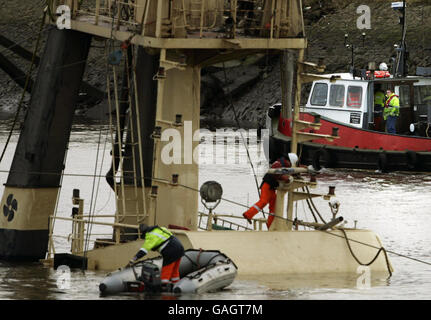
352, 47
402, 53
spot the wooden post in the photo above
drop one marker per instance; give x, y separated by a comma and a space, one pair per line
77, 228
210, 221
97, 12
279, 223
51, 247
290, 201
145, 16
81, 228
159, 19
294, 144
272, 19
202, 19
119, 15
286, 73
234, 17
277, 14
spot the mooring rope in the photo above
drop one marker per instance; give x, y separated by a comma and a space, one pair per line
310, 199
310, 208
238, 124
382, 249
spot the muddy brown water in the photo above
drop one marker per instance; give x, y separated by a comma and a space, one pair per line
396, 206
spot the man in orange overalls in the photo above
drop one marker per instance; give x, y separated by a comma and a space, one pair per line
268, 191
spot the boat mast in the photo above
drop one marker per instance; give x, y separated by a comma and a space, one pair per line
402, 53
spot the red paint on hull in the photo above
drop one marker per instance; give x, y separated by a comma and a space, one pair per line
352, 137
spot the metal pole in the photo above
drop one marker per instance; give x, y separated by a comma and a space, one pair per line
286, 72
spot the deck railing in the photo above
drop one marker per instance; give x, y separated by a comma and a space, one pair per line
80, 239
192, 18
224, 222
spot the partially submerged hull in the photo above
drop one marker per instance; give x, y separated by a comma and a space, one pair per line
356, 148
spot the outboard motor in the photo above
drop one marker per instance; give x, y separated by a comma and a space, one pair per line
150, 275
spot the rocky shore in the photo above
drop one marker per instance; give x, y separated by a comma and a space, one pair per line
252, 85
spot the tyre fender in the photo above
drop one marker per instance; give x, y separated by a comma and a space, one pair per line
322, 157
412, 159
382, 161
273, 150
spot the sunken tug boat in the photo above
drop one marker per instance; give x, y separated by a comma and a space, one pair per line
345, 101
164, 45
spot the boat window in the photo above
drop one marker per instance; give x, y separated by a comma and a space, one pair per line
336, 95
354, 96
423, 94
320, 94
404, 95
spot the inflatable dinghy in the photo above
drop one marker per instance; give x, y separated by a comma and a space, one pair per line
200, 271
208, 279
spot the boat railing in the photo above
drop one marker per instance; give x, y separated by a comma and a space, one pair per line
230, 19
82, 238
221, 222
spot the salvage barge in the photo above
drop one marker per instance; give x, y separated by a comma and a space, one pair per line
163, 46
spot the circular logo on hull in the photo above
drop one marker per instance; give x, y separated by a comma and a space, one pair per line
10, 207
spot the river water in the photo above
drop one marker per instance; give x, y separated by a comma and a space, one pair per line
396, 206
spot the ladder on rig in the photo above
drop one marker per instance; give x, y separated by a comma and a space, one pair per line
126, 147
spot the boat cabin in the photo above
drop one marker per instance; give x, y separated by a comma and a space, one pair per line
421, 105
350, 100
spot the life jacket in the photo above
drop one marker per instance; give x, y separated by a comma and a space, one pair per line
156, 239
379, 102
379, 98
379, 74
392, 106
354, 100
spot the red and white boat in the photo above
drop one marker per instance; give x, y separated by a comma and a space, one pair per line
348, 104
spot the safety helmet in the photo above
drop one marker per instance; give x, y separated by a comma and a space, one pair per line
383, 67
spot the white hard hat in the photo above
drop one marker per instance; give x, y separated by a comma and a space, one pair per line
383, 67
293, 158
